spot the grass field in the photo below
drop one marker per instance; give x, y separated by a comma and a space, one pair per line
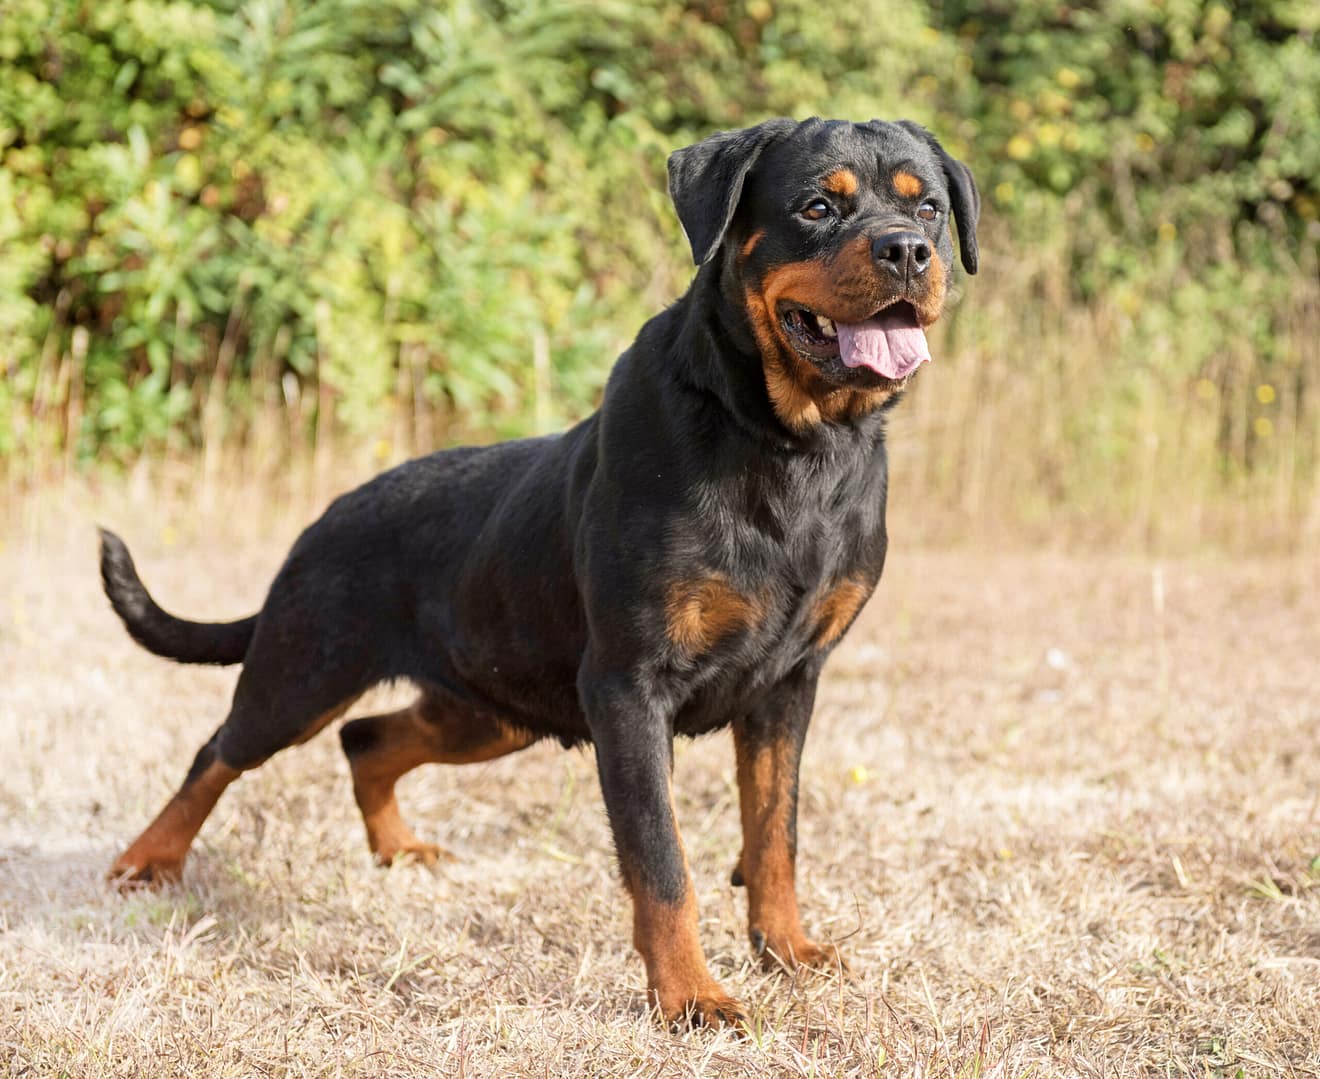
1060, 812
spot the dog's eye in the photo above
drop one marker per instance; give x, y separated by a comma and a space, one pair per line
816, 209
928, 211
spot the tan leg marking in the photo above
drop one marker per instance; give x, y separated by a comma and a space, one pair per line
157, 855
678, 980
766, 789
400, 741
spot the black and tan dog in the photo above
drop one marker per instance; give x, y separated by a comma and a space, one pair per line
681, 561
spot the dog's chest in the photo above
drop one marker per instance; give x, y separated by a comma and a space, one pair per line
802, 544
793, 630
765, 595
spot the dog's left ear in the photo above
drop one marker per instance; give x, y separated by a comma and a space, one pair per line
706, 180
963, 194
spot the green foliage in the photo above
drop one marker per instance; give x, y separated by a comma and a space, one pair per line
1172, 153
357, 209
349, 191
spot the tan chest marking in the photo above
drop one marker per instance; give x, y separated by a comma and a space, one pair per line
702, 611
835, 610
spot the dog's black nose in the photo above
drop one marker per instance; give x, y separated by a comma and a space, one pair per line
904, 254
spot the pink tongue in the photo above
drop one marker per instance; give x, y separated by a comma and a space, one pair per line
891, 344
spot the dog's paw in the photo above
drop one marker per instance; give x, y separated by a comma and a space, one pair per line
711, 1007
794, 954
130, 873
427, 854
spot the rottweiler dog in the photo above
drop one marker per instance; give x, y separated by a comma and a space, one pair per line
682, 560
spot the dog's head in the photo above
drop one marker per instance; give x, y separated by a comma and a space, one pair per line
836, 239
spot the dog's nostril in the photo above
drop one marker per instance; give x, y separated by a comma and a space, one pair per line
902, 253
891, 251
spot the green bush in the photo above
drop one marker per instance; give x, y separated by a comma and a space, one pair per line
1172, 153
346, 191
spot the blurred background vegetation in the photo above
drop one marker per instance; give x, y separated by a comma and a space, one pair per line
240, 232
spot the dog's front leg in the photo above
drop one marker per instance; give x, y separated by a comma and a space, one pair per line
768, 747
634, 743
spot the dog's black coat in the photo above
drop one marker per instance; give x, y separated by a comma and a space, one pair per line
532, 583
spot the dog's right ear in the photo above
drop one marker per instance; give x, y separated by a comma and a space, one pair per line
706, 180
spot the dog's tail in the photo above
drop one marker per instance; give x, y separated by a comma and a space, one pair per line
159, 631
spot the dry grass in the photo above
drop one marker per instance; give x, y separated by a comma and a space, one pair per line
1061, 813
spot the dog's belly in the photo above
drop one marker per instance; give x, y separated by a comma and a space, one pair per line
535, 691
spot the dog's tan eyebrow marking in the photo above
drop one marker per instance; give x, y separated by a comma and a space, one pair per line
841, 182
907, 185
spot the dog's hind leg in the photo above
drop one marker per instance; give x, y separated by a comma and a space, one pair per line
383, 748
156, 856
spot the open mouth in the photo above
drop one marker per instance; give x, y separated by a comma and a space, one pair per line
815, 333
891, 342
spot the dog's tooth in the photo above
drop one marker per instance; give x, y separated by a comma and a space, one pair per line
827, 327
